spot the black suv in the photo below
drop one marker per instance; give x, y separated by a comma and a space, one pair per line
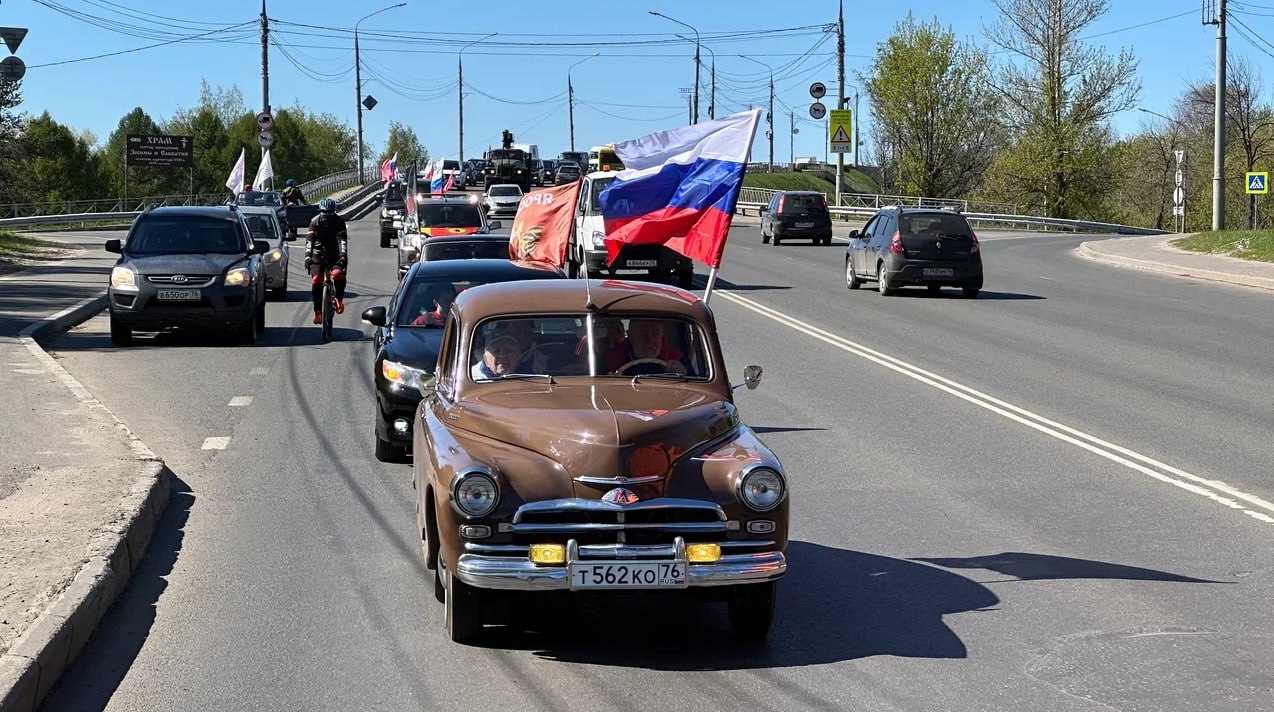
934, 247
796, 214
187, 266
392, 211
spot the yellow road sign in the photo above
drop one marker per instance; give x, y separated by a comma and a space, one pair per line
1257, 183
840, 130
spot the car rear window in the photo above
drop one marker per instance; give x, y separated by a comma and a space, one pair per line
261, 226
454, 249
450, 215
803, 203
185, 235
933, 224
505, 191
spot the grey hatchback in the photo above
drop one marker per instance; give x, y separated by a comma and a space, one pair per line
934, 247
187, 266
800, 214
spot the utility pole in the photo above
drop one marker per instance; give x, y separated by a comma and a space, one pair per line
358, 101
791, 142
265, 76
694, 113
1218, 127
570, 108
840, 96
769, 118
460, 102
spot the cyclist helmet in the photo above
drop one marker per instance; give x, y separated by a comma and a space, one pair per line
291, 182
327, 205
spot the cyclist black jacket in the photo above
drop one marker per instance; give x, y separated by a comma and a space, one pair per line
327, 241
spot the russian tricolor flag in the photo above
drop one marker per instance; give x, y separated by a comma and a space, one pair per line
679, 187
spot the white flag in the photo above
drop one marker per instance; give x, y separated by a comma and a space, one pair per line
235, 181
264, 172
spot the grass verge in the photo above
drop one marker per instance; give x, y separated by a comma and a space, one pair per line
855, 181
13, 245
1246, 244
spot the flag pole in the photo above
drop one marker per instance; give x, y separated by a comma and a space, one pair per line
712, 280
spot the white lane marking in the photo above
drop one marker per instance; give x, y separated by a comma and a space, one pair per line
1212, 489
215, 443
238, 401
29, 371
1051, 279
258, 371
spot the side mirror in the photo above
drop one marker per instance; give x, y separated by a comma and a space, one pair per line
751, 378
289, 237
427, 388
260, 247
374, 316
764, 209
114, 246
853, 234
495, 225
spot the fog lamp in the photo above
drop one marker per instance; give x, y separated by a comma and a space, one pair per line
401, 425
703, 553
554, 554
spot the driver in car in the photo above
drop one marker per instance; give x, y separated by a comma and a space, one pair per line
645, 342
500, 356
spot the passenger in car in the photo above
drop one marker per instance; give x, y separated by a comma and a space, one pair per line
439, 297
645, 341
500, 356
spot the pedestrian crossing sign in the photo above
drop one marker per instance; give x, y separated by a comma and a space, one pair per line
1258, 183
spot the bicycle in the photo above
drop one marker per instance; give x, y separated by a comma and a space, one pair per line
329, 304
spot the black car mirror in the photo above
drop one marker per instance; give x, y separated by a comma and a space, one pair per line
764, 209
260, 247
114, 246
494, 225
853, 234
374, 316
289, 237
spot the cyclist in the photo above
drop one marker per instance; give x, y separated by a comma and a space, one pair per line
292, 194
326, 248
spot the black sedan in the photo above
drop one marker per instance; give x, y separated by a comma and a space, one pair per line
409, 334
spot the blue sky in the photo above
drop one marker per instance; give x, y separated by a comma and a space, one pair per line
625, 92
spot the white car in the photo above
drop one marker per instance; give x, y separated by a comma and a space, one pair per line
502, 199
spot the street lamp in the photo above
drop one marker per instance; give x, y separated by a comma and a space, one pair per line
570, 96
460, 86
358, 85
694, 117
769, 118
712, 96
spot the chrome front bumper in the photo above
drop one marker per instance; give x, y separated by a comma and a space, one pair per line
483, 566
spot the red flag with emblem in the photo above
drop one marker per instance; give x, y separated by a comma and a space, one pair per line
542, 228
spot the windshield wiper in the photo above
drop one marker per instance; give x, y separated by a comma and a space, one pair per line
523, 376
667, 374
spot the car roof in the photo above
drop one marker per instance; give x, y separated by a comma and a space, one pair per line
800, 192
479, 269
223, 212
569, 296
478, 237
446, 199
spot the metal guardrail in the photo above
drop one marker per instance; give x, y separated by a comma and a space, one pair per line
878, 201
319, 186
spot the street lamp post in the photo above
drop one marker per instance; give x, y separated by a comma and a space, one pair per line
358, 86
460, 87
712, 94
694, 115
570, 97
769, 117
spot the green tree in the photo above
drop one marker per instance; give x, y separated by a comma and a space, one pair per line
402, 141
935, 121
56, 164
142, 181
1059, 93
10, 130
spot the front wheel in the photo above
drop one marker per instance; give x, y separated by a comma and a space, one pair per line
384, 239
389, 452
121, 334
971, 292
751, 610
463, 609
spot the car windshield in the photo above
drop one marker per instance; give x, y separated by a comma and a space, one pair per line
933, 225
505, 191
450, 215
254, 197
185, 235
427, 302
261, 226
450, 165
458, 249
598, 186
506, 155
656, 346
803, 203
394, 192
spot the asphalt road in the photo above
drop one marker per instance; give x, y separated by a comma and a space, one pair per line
1055, 497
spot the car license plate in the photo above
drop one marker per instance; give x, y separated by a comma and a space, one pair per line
641, 263
628, 574
178, 295
805, 224
939, 272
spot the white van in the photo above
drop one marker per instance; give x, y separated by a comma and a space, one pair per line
588, 244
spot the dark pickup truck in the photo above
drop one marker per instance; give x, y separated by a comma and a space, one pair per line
299, 217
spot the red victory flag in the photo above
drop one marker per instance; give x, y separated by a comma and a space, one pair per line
542, 228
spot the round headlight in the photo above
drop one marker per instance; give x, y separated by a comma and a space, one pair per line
761, 489
475, 494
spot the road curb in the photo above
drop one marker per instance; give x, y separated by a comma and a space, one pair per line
1086, 251
38, 659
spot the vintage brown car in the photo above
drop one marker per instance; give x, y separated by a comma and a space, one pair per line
576, 440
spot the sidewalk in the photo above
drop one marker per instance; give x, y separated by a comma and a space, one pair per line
1155, 254
79, 495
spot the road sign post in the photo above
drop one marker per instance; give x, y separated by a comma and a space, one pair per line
1256, 183
841, 130
1179, 195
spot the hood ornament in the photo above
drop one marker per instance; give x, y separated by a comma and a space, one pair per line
619, 495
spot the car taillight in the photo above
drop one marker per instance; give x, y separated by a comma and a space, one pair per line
895, 243
781, 199
975, 249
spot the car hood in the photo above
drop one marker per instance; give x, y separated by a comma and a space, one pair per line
415, 346
183, 264
503, 199
600, 430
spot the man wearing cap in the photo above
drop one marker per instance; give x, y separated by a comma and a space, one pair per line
500, 357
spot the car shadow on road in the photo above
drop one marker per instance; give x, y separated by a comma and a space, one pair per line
701, 282
92, 680
1023, 566
308, 335
833, 605
955, 293
762, 429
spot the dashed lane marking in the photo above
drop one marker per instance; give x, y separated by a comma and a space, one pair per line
215, 443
